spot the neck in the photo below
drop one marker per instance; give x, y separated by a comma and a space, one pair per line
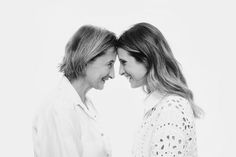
159, 95
81, 87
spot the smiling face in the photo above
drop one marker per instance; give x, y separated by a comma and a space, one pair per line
101, 69
131, 69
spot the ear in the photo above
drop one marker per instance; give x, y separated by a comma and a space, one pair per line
84, 70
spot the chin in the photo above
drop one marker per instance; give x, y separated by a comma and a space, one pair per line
134, 85
99, 87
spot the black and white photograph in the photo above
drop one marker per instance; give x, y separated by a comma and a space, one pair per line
125, 78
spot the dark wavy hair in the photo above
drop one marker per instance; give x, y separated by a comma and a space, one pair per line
147, 45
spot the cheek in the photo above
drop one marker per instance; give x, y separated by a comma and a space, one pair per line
93, 76
102, 72
139, 72
140, 76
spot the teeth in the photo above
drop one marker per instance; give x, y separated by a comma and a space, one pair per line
128, 77
104, 79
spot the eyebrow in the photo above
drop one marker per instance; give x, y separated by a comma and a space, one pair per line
111, 61
122, 60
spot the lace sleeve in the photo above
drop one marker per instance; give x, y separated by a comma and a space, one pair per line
174, 130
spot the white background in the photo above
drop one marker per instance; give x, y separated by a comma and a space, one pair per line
33, 35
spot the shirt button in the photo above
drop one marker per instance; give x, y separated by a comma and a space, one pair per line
102, 134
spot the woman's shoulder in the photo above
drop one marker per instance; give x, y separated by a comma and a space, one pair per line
175, 110
175, 101
174, 98
176, 104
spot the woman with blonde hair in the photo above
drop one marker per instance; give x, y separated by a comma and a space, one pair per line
67, 125
168, 127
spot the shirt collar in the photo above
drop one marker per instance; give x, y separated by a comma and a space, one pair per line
152, 100
73, 98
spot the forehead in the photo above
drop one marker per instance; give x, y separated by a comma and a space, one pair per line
108, 56
123, 54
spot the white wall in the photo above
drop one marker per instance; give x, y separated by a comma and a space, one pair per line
33, 35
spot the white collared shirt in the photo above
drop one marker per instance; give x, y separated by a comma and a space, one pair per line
65, 127
168, 128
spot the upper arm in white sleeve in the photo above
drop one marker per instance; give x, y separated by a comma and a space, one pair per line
56, 135
174, 130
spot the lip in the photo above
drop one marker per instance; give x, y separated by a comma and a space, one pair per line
129, 77
104, 79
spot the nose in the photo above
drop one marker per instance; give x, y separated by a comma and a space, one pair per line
112, 73
121, 70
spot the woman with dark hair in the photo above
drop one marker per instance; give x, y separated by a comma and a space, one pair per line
168, 127
67, 125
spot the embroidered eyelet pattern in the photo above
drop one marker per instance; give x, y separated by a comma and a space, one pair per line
167, 130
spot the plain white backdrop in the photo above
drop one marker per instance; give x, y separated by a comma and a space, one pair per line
33, 35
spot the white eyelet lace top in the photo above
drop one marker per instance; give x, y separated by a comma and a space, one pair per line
167, 130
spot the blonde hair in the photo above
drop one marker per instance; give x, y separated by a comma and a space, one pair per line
147, 45
88, 43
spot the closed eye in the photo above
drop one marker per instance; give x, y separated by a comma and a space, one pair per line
123, 62
110, 64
